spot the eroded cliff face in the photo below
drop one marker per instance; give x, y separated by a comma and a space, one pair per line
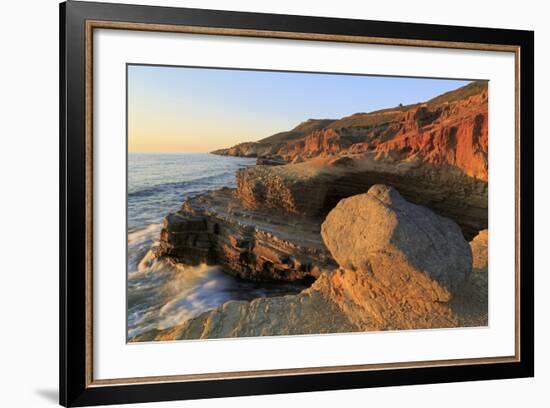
449, 134
450, 131
401, 267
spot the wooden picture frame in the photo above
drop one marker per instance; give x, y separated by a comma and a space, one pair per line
78, 20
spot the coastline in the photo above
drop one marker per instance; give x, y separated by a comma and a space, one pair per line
426, 160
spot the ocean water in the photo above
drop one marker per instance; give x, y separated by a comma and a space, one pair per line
159, 294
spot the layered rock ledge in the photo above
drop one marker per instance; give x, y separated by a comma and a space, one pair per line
255, 244
401, 266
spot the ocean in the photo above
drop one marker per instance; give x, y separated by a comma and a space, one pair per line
161, 295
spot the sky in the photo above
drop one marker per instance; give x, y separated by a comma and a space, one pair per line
179, 109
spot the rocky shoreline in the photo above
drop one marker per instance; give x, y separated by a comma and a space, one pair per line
413, 271
374, 211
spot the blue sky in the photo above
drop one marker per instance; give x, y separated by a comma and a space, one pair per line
197, 109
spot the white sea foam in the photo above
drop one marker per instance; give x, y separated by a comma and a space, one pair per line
161, 295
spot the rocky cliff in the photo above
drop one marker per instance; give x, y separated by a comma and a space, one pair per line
400, 267
270, 145
451, 129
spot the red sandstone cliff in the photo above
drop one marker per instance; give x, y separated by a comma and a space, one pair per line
454, 134
451, 129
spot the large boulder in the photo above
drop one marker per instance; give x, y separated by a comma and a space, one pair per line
405, 247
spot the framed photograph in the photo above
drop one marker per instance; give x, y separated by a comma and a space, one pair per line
256, 203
